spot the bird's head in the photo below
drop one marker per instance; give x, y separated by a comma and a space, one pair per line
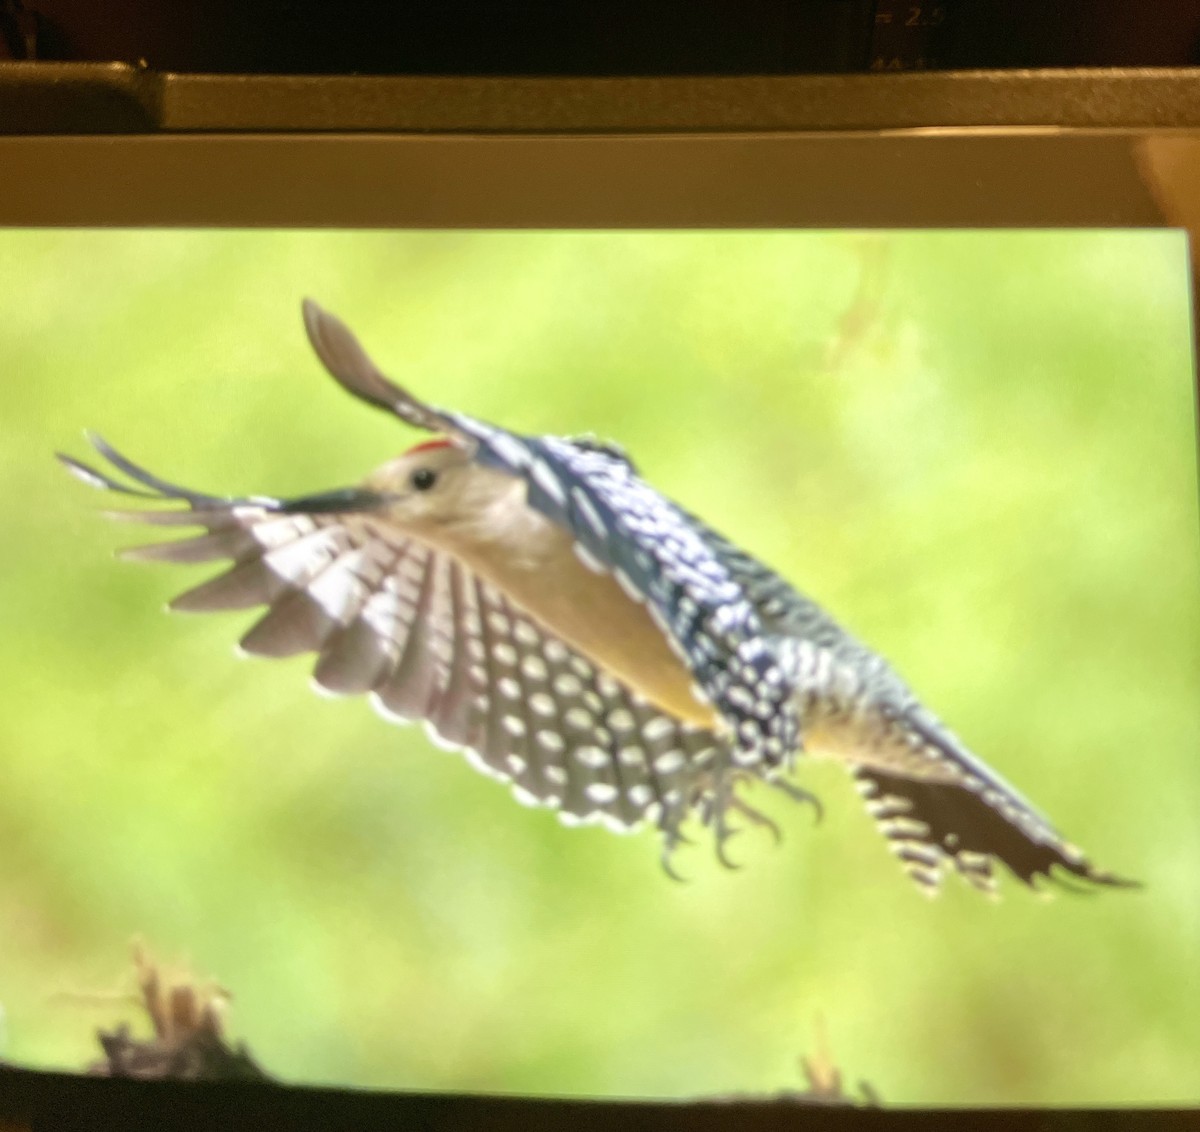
436, 488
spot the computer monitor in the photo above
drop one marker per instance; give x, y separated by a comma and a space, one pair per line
940, 379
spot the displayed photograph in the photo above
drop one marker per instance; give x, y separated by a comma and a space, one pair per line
640, 664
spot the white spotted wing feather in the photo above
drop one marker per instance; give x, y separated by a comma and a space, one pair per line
428, 640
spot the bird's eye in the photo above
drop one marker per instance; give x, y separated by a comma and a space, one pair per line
423, 479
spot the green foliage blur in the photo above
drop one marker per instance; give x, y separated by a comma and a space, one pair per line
978, 450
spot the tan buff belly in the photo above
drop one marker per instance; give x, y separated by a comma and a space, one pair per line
593, 614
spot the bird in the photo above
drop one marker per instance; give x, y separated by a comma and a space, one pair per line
543, 609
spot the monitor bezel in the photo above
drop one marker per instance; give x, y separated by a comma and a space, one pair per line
114, 145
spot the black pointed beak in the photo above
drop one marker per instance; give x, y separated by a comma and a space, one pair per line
331, 502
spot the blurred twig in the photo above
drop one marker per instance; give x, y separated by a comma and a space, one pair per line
860, 323
824, 1082
188, 1041
825, 1078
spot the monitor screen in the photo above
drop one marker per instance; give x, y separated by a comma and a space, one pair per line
975, 450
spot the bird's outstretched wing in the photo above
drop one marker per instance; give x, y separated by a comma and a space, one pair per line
428, 640
959, 815
936, 826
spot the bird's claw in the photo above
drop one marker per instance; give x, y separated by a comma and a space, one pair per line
797, 794
672, 839
758, 818
724, 835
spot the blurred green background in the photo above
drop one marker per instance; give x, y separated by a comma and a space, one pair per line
976, 449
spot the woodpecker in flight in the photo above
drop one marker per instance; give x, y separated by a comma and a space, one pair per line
543, 609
